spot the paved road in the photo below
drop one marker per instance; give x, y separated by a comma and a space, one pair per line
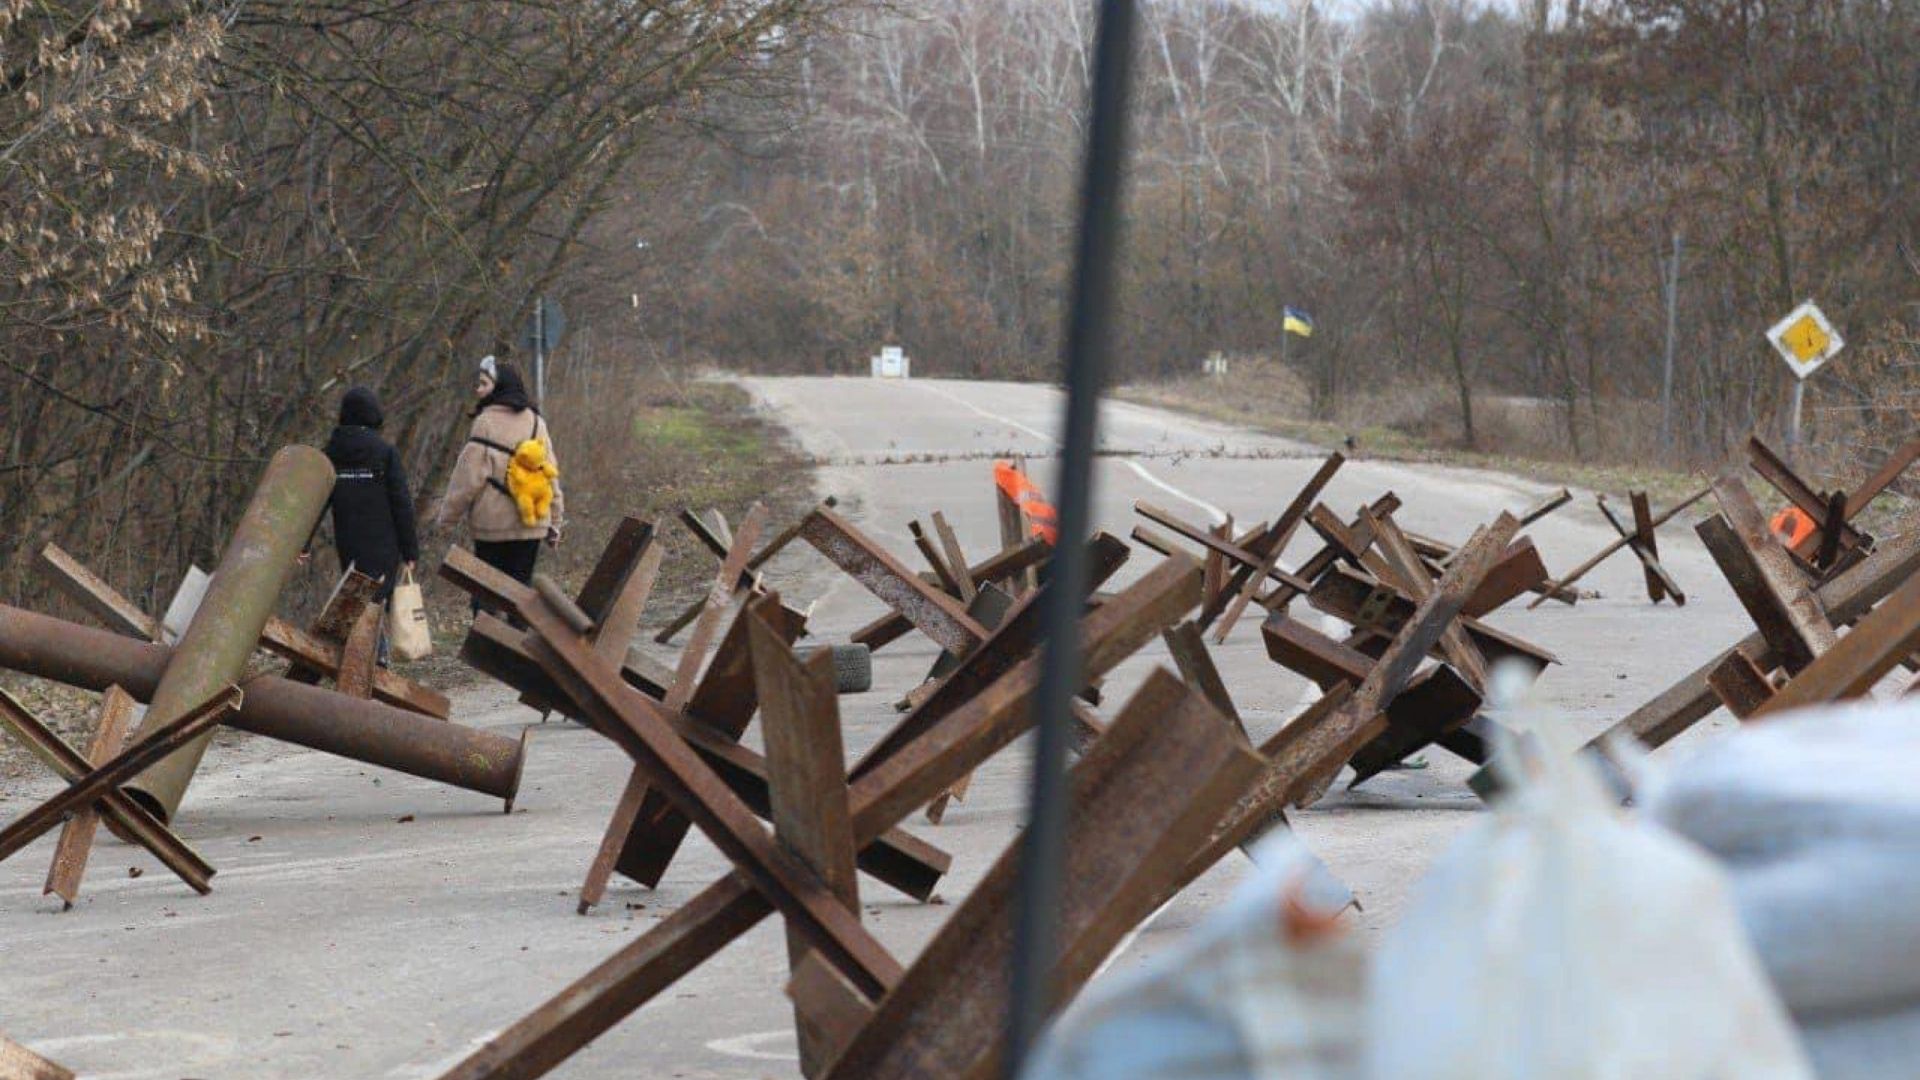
344, 941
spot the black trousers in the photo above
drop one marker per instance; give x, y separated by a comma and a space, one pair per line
514, 558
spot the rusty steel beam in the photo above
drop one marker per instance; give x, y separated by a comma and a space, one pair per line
641, 728
618, 620
1765, 604
760, 558
956, 556
715, 718
1642, 541
1763, 576
619, 560
1547, 504
305, 650
990, 608
1519, 570
1601, 556
1649, 543
96, 597
645, 824
310, 716
1262, 806
1011, 642
1846, 598
944, 575
715, 537
1810, 502
1435, 703
1197, 669
1311, 756
1240, 556
1383, 609
807, 786
932, 612
1740, 684
1397, 564
1340, 541
129, 818
897, 858
1148, 793
75, 846
214, 651
1245, 581
19, 1063
351, 595
1889, 471
730, 907
1001, 567
1877, 644
116, 771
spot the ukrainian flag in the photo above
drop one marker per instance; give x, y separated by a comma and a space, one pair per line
1297, 322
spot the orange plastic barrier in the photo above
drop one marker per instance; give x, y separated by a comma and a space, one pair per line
1042, 518
1792, 526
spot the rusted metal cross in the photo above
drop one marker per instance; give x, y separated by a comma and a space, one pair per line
1641, 540
709, 709
1440, 705
93, 788
127, 818
965, 733
1817, 664
1835, 542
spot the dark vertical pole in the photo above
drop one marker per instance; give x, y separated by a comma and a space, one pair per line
1036, 945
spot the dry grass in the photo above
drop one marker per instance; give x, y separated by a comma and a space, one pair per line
1420, 421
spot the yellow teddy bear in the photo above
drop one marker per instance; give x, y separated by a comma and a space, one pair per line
530, 478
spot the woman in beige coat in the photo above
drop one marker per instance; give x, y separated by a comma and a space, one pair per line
477, 493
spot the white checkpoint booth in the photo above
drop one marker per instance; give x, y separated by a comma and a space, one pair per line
892, 363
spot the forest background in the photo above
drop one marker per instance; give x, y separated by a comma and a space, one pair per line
216, 216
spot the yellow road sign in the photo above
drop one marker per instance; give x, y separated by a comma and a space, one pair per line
1805, 339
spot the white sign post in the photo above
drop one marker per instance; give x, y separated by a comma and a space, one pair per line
1806, 341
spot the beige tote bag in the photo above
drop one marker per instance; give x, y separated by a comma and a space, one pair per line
412, 638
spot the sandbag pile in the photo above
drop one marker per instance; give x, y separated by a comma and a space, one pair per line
1558, 938
1816, 820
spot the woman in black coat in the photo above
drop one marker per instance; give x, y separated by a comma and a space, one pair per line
373, 524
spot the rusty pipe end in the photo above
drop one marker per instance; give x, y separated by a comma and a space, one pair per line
519, 768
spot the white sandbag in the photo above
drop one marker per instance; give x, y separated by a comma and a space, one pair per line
1562, 938
1878, 1046
1837, 928
1805, 778
1242, 997
1816, 816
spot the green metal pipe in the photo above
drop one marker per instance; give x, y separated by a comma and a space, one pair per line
214, 651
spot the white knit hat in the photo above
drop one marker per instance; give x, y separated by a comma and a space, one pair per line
487, 367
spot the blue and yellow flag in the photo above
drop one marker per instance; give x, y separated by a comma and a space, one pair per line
1297, 322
